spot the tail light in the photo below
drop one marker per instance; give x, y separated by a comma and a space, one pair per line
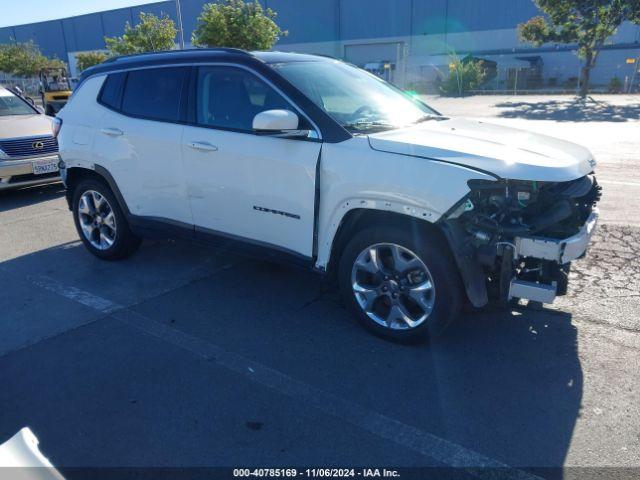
56, 125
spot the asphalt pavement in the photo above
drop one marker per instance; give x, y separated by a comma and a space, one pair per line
188, 356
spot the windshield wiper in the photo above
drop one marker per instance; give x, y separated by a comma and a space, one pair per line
365, 126
426, 118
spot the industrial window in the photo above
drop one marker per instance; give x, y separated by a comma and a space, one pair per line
154, 93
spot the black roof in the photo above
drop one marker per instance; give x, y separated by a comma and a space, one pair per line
287, 57
196, 55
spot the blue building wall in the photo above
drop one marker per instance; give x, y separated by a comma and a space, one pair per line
317, 23
306, 20
482, 27
374, 19
470, 15
113, 20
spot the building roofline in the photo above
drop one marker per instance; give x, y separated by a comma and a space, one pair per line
80, 15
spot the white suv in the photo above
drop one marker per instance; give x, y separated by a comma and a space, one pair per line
319, 162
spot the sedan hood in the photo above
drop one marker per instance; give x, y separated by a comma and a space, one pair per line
505, 152
16, 126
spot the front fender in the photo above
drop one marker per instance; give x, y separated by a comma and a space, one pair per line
330, 229
353, 176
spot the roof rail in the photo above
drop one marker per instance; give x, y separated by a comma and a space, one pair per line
164, 52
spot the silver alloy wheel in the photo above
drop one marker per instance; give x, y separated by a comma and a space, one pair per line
97, 220
393, 286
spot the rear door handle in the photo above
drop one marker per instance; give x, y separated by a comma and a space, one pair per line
203, 146
112, 132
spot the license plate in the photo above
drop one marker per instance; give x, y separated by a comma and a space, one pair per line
40, 168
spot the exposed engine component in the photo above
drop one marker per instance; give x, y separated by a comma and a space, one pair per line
498, 214
513, 208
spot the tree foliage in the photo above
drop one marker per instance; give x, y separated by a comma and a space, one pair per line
587, 23
237, 24
464, 75
85, 60
25, 59
151, 34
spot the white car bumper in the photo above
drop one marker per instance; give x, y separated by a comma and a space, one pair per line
561, 251
24, 172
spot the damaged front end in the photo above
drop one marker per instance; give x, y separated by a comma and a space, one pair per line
517, 239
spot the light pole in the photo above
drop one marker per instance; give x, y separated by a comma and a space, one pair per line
180, 29
636, 66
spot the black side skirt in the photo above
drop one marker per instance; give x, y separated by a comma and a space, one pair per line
153, 227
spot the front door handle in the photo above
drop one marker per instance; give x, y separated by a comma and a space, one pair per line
203, 146
112, 132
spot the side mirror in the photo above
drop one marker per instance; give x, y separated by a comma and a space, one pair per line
278, 123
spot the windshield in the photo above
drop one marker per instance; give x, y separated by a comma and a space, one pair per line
356, 99
12, 105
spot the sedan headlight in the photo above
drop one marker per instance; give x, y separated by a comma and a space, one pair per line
56, 125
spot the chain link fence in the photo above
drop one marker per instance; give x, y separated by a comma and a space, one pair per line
29, 86
523, 75
555, 80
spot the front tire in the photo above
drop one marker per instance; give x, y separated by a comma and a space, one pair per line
100, 222
401, 284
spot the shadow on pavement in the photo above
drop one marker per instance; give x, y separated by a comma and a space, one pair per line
11, 199
507, 385
570, 111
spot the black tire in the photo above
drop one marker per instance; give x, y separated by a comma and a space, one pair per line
435, 255
125, 242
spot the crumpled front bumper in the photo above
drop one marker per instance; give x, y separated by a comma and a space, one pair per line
561, 251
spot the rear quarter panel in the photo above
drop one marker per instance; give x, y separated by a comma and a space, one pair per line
80, 118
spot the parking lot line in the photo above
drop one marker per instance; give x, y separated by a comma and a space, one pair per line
419, 441
615, 182
72, 293
424, 443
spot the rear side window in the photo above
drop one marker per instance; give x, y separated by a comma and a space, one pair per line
154, 93
111, 90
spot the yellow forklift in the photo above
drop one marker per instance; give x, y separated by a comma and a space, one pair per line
55, 89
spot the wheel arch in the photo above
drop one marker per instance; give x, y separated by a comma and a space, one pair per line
357, 219
75, 175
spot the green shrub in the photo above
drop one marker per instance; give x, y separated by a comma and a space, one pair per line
236, 23
85, 60
615, 85
463, 76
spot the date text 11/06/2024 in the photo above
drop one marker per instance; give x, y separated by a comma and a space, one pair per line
316, 472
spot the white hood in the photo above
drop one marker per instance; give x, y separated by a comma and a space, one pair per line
16, 126
506, 152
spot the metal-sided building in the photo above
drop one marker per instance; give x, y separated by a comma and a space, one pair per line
408, 41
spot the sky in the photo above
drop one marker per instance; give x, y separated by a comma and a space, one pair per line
17, 12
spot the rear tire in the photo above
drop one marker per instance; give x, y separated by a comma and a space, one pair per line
409, 291
101, 224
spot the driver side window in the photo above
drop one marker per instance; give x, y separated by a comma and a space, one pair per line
230, 98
